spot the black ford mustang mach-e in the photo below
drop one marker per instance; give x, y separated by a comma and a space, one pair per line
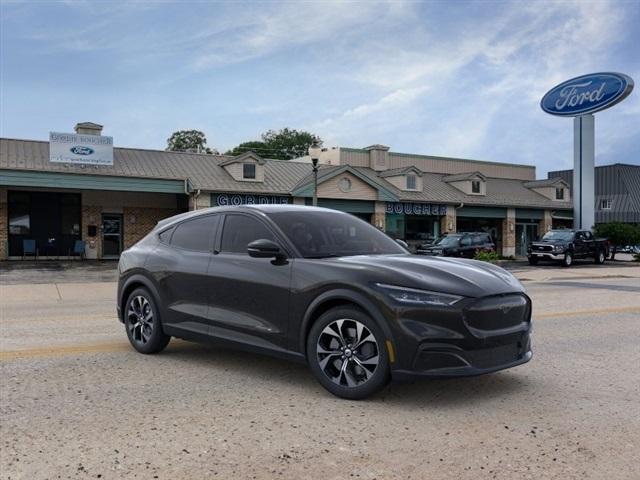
322, 287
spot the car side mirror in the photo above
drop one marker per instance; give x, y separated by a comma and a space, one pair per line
402, 243
263, 248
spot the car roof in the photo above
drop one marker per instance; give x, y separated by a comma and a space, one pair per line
265, 209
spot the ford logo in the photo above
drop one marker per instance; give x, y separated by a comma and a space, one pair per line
587, 94
78, 150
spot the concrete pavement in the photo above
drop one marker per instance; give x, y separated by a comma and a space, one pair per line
77, 402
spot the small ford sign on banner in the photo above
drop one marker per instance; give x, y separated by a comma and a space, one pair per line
587, 94
80, 149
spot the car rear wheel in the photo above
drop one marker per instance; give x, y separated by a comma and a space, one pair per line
600, 257
347, 353
567, 260
142, 323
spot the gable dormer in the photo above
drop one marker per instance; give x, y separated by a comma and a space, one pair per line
247, 167
553, 188
408, 179
473, 183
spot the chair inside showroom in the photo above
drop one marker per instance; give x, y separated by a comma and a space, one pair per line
78, 250
29, 248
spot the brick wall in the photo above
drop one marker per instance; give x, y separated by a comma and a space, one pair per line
448, 222
92, 215
140, 221
509, 233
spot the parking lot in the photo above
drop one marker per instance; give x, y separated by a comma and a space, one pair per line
78, 402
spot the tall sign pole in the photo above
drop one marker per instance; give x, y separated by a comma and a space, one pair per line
580, 97
584, 172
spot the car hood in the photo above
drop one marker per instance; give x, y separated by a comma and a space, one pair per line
470, 278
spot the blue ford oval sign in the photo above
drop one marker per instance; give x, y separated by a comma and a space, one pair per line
79, 150
587, 94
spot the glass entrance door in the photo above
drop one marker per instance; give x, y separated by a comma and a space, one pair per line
111, 235
525, 233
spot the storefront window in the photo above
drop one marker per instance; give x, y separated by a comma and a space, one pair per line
19, 214
70, 214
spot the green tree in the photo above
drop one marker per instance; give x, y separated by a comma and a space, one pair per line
254, 146
619, 234
188, 141
283, 144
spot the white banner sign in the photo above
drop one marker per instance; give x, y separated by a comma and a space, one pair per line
80, 149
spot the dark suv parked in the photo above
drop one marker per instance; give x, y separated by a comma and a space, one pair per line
321, 287
459, 245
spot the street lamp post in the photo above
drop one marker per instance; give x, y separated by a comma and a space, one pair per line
314, 153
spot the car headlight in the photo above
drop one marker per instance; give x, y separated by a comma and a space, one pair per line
411, 296
558, 248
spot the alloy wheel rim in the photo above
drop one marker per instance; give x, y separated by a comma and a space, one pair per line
347, 352
568, 260
140, 319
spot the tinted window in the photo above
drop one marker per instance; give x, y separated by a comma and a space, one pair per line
166, 235
196, 234
325, 234
475, 186
249, 170
566, 236
448, 241
240, 230
465, 242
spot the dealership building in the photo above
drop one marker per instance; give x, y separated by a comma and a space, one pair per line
79, 187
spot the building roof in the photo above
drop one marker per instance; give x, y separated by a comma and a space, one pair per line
547, 182
281, 177
459, 177
394, 172
203, 171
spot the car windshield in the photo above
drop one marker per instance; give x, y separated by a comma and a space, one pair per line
448, 241
558, 235
318, 234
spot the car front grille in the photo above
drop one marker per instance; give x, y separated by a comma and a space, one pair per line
543, 248
498, 312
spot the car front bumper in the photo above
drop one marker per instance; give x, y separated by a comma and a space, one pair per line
480, 336
546, 255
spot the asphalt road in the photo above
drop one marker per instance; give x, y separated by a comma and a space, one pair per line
78, 402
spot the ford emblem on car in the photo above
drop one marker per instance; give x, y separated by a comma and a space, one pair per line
587, 94
80, 150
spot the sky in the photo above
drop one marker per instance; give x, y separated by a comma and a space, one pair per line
450, 78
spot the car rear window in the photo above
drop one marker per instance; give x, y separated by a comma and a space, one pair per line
197, 234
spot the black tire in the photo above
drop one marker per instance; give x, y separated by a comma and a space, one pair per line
360, 377
567, 261
600, 257
532, 260
143, 324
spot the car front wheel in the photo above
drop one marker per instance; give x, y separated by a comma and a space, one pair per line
567, 260
142, 323
347, 353
600, 257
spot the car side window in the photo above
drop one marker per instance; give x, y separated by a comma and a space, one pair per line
465, 241
165, 235
579, 236
240, 230
196, 235
588, 236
